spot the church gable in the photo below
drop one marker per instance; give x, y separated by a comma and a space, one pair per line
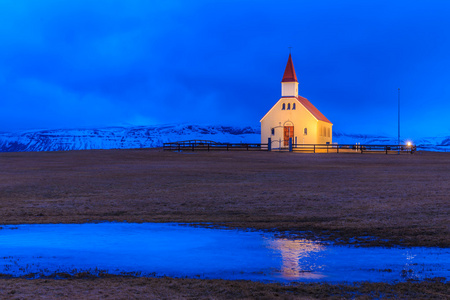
295, 103
284, 108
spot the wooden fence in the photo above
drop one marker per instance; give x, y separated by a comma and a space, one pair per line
347, 148
205, 145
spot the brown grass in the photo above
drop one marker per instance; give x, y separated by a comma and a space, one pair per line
170, 288
404, 199
400, 200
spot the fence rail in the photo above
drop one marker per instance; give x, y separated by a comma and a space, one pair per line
200, 145
204, 145
348, 148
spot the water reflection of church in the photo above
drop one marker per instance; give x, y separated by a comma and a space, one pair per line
297, 258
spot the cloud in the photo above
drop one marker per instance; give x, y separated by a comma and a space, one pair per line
69, 64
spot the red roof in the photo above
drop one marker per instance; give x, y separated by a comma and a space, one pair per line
289, 72
312, 109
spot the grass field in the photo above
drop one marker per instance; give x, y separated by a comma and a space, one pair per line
398, 200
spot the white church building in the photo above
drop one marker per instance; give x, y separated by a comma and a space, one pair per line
293, 116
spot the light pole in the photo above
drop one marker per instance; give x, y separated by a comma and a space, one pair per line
398, 140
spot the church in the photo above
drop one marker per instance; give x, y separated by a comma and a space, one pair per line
293, 116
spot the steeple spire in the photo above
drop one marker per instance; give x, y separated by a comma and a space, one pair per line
289, 84
289, 72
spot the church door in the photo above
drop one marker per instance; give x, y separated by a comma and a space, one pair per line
288, 133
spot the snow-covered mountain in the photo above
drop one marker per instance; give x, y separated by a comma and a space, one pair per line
122, 137
441, 144
154, 136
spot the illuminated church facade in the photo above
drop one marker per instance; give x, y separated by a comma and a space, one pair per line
293, 116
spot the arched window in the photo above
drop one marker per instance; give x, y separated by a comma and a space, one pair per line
273, 131
293, 106
289, 106
283, 107
305, 131
328, 132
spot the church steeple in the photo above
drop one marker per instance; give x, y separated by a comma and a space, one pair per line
289, 83
289, 72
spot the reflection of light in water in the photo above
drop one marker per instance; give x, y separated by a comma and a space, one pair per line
409, 256
409, 271
292, 254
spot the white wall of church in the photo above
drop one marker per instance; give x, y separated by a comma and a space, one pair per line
324, 132
289, 89
277, 118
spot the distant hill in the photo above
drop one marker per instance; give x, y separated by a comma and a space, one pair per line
427, 143
154, 136
121, 137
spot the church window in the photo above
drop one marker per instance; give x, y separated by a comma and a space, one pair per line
328, 132
305, 131
289, 106
293, 106
273, 131
283, 107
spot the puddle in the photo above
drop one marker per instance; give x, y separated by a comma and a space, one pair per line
176, 250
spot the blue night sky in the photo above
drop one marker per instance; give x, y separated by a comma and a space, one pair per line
83, 63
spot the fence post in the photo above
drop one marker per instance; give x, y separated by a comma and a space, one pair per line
247, 147
269, 144
386, 148
208, 147
337, 148
314, 148
327, 148
227, 146
290, 144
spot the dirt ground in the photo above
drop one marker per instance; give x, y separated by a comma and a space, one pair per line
170, 288
397, 199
